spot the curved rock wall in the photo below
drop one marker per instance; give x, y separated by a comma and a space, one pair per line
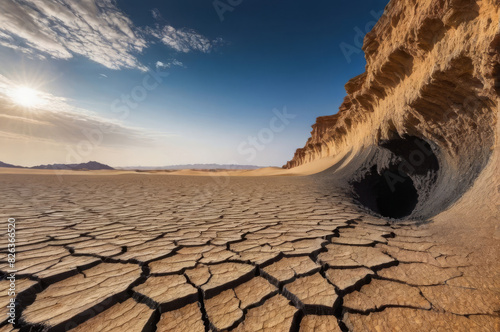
432, 74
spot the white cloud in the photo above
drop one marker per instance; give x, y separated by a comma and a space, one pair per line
174, 62
156, 14
177, 63
185, 40
96, 29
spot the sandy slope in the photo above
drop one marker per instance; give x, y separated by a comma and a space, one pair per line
310, 168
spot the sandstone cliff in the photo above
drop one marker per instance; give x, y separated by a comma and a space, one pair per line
429, 99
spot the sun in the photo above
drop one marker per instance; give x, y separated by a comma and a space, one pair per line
26, 96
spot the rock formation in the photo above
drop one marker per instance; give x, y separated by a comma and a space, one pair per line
424, 113
277, 254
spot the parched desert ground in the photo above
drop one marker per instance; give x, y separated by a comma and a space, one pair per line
137, 252
254, 251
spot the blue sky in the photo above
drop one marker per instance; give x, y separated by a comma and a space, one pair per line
225, 78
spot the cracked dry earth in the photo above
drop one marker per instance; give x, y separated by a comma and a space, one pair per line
158, 253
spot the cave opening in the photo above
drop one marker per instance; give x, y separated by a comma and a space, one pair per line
390, 190
391, 194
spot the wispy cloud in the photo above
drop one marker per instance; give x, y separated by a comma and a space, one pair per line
169, 64
96, 29
181, 39
185, 40
54, 119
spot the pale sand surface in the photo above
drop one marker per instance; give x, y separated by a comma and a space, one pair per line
196, 253
311, 168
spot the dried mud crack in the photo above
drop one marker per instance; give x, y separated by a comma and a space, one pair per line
400, 233
302, 259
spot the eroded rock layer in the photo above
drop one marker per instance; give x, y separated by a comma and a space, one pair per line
426, 107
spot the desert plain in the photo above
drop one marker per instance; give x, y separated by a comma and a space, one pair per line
146, 252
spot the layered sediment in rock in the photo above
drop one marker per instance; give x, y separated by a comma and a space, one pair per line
426, 108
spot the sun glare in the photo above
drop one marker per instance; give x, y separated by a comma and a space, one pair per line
26, 96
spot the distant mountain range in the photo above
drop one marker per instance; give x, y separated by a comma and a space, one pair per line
94, 166
190, 166
91, 166
9, 165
